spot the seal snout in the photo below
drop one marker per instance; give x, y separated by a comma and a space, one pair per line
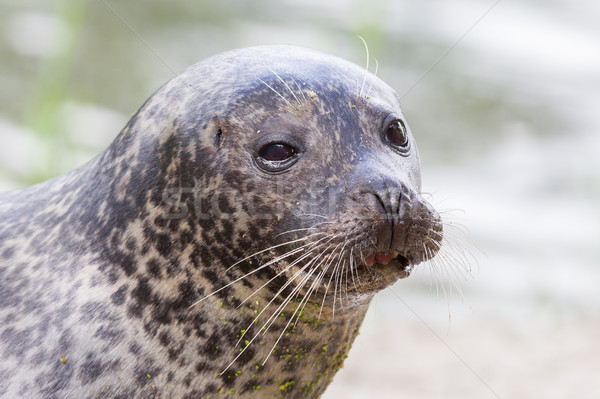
405, 227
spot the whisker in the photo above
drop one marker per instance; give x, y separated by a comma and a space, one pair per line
288, 282
329, 284
352, 271
347, 269
269, 263
317, 281
279, 94
279, 292
314, 214
268, 323
281, 307
339, 274
273, 247
310, 250
325, 269
285, 84
288, 267
366, 68
336, 272
310, 291
295, 231
300, 90
280, 336
373, 79
306, 297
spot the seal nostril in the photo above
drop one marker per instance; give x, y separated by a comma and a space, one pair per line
382, 204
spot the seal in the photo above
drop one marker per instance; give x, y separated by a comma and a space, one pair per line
227, 243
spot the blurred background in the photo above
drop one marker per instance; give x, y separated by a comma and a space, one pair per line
504, 100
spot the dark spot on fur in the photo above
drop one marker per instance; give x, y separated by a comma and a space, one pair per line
213, 346
92, 368
162, 313
118, 297
126, 261
109, 333
134, 348
227, 228
96, 310
254, 233
210, 388
174, 352
135, 310
246, 357
142, 293
130, 244
151, 329
112, 276
187, 381
164, 244
153, 267
144, 369
65, 341
164, 338
173, 267
186, 237
228, 378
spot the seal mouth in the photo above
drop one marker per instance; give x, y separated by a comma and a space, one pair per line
378, 271
382, 259
368, 276
391, 265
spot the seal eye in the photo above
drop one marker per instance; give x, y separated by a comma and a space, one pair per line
276, 152
396, 134
276, 156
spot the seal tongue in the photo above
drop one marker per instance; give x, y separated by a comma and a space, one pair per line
383, 259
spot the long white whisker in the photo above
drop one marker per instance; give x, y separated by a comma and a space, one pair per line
335, 272
269, 263
288, 282
276, 92
311, 290
328, 265
296, 231
288, 267
366, 68
373, 80
273, 315
300, 90
296, 311
286, 85
273, 247
279, 292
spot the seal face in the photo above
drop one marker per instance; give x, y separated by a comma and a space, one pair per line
228, 242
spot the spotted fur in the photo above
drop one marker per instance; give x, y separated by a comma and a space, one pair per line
151, 270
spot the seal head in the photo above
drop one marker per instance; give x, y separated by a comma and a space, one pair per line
228, 241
